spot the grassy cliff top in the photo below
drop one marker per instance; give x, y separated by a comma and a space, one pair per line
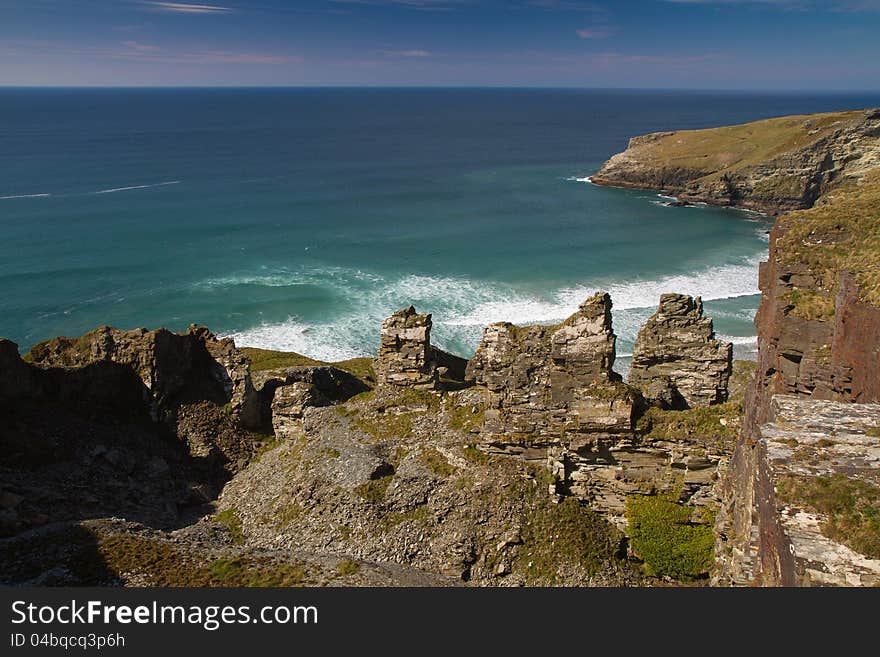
840, 233
267, 359
715, 151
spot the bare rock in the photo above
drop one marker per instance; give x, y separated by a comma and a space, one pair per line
290, 402
405, 354
546, 380
676, 358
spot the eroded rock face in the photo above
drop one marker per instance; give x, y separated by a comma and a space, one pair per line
677, 360
287, 392
405, 350
141, 424
174, 368
545, 380
768, 533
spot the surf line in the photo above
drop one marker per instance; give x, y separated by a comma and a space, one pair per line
126, 189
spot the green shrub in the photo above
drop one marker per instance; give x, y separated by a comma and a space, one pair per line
662, 535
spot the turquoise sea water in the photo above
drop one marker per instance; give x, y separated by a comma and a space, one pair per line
299, 218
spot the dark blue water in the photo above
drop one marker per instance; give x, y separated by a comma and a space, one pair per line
299, 218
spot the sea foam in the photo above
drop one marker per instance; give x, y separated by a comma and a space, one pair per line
463, 307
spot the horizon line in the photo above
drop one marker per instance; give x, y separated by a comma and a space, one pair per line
772, 91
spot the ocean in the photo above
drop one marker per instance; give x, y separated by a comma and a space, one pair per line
297, 219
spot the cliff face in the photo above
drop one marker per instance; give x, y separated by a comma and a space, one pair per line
140, 424
772, 166
807, 454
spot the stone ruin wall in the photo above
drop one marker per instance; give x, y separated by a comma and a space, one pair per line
552, 396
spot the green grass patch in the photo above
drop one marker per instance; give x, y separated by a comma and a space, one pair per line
841, 232
243, 572
662, 535
850, 508
394, 518
347, 568
436, 462
465, 417
374, 489
362, 368
559, 536
475, 456
809, 304
267, 359
229, 519
703, 422
714, 153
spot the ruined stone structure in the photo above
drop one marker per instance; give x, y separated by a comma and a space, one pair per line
677, 360
407, 357
553, 397
405, 350
546, 380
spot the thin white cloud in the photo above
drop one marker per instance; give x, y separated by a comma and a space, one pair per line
407, 53
592, 33
137, 46
137, 51
187, 8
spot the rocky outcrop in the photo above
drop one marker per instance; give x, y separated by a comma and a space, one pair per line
174, 368
405, 350
791, 491
677, 360
285, 393
774, 165
806, 434
546, 380
144, 424
399, 477
407, 357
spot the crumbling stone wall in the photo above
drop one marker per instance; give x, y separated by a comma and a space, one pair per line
546, 380
405, 350
677, 360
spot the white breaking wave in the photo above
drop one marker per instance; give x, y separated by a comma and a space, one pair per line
6, 198
724, 282
462, 308
126, 189
323, 341
738, 339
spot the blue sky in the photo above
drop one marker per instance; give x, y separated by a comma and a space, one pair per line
714, 44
